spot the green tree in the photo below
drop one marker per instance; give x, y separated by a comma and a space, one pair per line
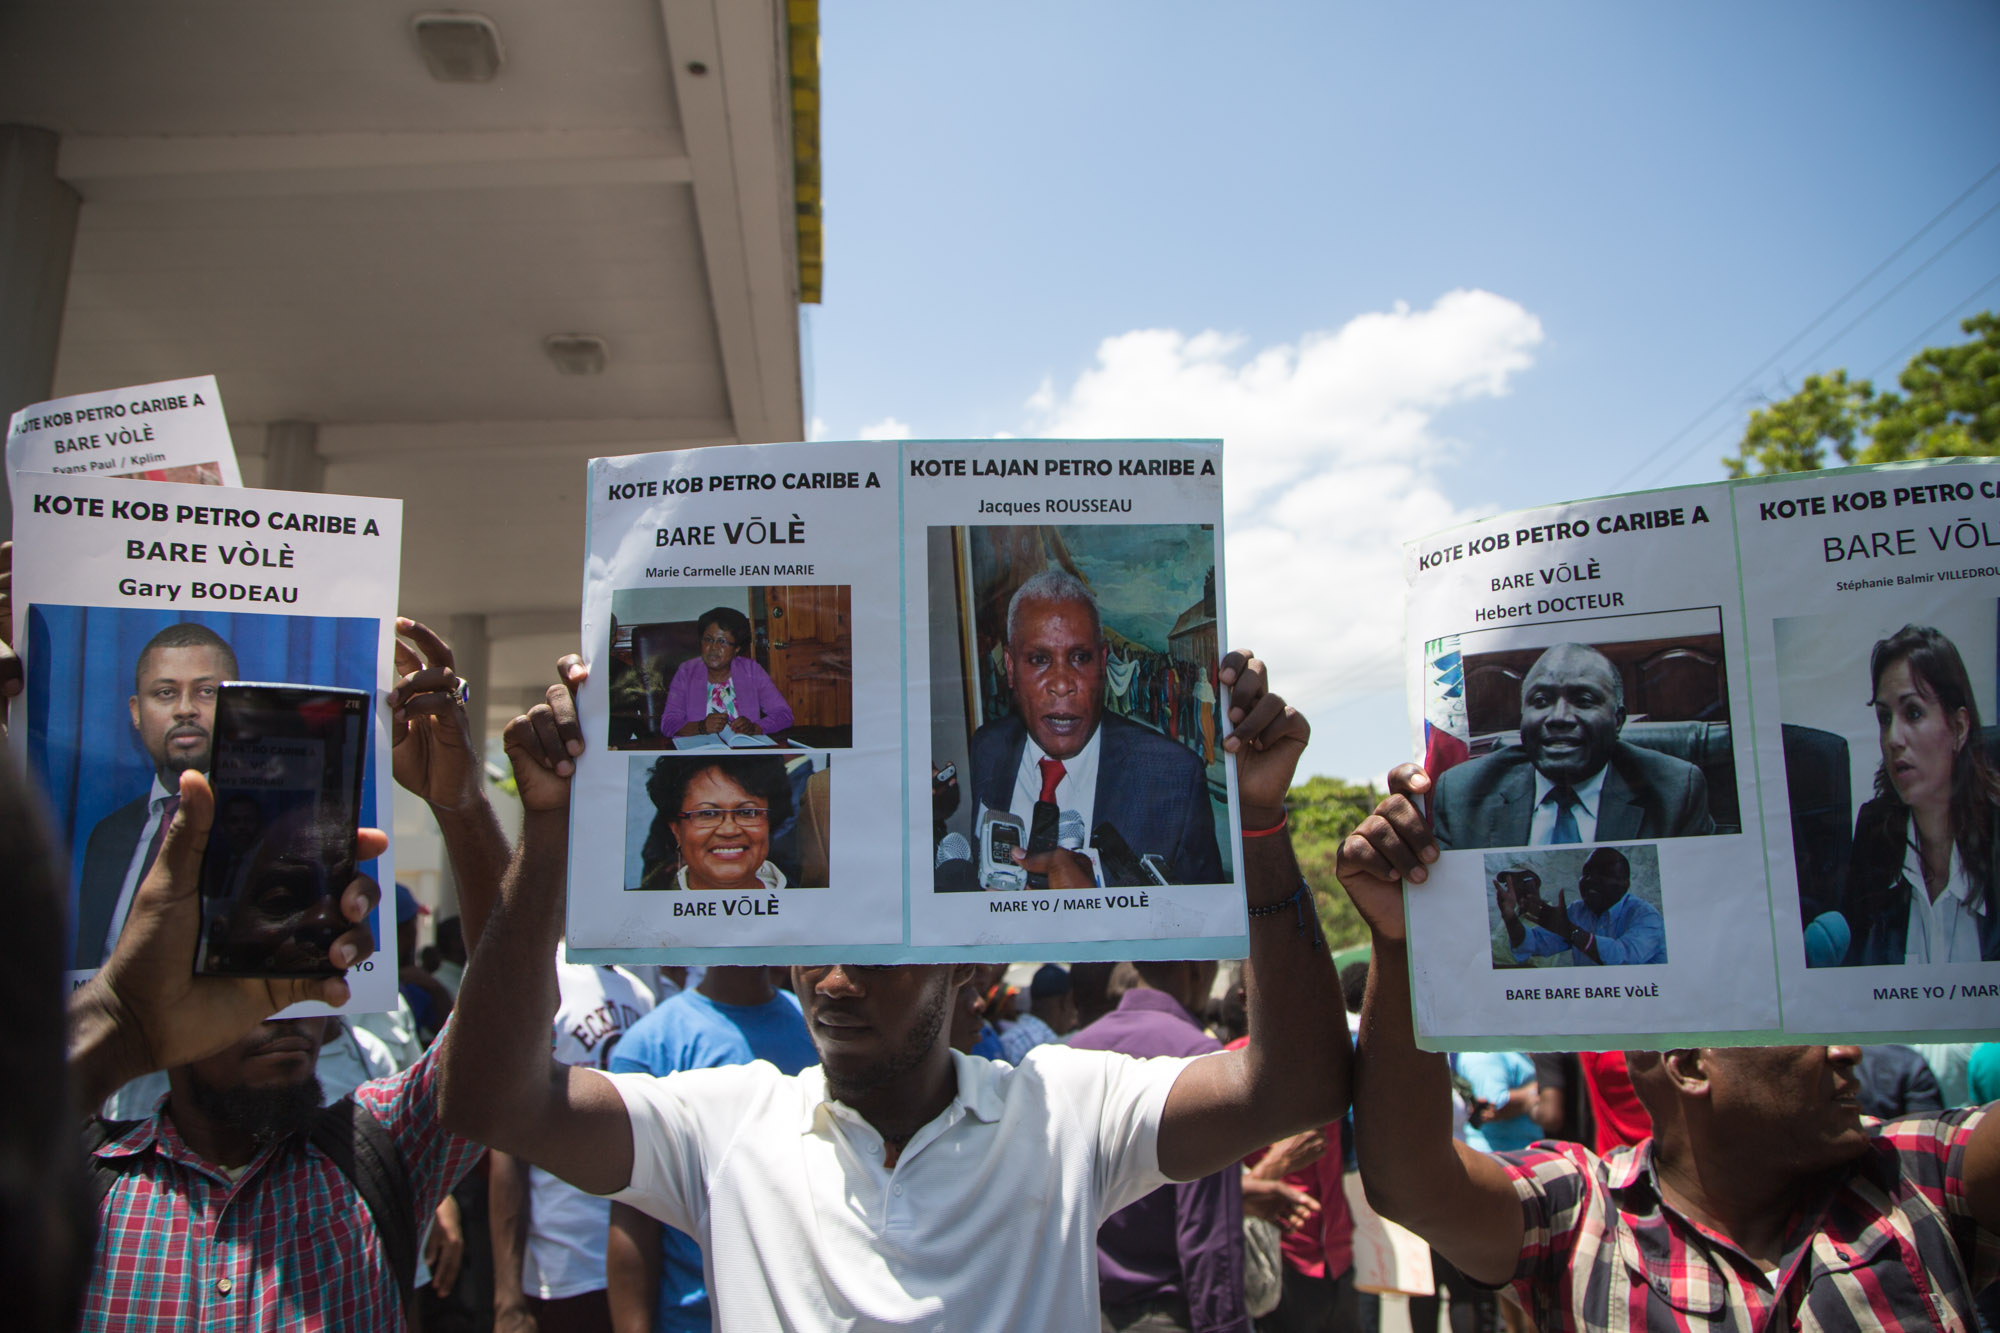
1949, 407
1323, 811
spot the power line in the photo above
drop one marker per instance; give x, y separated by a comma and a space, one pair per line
1935, 325
1908, 278
1812, 357
1805, 332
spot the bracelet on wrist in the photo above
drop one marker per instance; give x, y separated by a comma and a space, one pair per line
1284, 818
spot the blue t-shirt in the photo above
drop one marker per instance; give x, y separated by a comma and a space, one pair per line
691, 1031
1493, 1075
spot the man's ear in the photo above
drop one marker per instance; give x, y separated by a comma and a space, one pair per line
962, 975
133, 704
1689, 1071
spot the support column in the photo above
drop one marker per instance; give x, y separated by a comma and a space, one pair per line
37, 236
291, 457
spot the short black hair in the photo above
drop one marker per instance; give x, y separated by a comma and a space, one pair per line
185, 634
1353, 985
763, 776
730, 621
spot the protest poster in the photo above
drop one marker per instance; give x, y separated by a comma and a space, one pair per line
1713, 765
1870, 596
1580, 700
799, 720
171, 431
1064, 602
740, 615
133, 599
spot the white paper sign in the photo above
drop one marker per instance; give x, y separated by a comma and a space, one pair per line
131, 597
1589, 654
1878, 785
171, 431
825, 677
1713, 765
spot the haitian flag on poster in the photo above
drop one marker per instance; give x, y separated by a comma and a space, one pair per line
1445, 736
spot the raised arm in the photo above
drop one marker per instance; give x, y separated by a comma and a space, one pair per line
1293, 1074
433, 758
500, 1084
1416, 1174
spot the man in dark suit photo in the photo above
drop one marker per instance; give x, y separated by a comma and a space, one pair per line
1571, 779
173, 710
1059, 747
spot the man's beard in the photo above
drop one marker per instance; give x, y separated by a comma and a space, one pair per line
264, 1114
915, 1050
176, 762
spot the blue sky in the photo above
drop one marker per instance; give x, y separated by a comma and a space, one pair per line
1415, 262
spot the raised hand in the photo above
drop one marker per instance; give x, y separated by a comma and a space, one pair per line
543, 743
1267, 739
1392, 845
433, 755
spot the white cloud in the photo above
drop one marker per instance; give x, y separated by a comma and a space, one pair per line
817, 430
1332, 452
888, 428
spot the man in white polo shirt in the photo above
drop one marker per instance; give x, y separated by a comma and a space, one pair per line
864, 1193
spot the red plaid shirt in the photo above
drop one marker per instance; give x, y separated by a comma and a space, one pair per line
288, 1245
1890, 1244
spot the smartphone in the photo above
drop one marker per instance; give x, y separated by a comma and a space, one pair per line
999, 835
945, 774
286, 770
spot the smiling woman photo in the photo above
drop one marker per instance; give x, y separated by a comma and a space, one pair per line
714, 820
1920, 885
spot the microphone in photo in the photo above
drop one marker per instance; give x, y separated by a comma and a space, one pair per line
955, 872
1121, 867
1000, 834
1070, 832
1042, 837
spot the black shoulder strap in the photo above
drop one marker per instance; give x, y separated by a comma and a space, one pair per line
97, 1132
356, 1142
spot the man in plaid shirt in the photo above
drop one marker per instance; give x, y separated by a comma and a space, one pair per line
1763, 1200
219, 1212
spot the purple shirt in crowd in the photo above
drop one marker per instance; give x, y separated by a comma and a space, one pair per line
757, 696
1181, 1240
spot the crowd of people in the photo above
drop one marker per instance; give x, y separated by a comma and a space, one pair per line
530, 1143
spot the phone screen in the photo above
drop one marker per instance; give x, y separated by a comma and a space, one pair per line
286, 771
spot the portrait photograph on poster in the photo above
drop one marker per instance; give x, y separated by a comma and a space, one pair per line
1576, 907
728, 821
134, 707
731, 667
1601, 730
1892, 774
1074, 703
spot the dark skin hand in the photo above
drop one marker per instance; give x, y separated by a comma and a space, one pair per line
145, 1009
431, 756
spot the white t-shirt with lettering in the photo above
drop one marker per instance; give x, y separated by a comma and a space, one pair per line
565, 1255
801, 1226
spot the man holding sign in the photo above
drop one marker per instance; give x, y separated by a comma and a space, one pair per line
861, 1192
1763, 1199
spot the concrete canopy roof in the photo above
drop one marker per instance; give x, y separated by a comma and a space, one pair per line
283, 195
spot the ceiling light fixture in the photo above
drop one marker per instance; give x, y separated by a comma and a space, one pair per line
458, 48
576, 353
